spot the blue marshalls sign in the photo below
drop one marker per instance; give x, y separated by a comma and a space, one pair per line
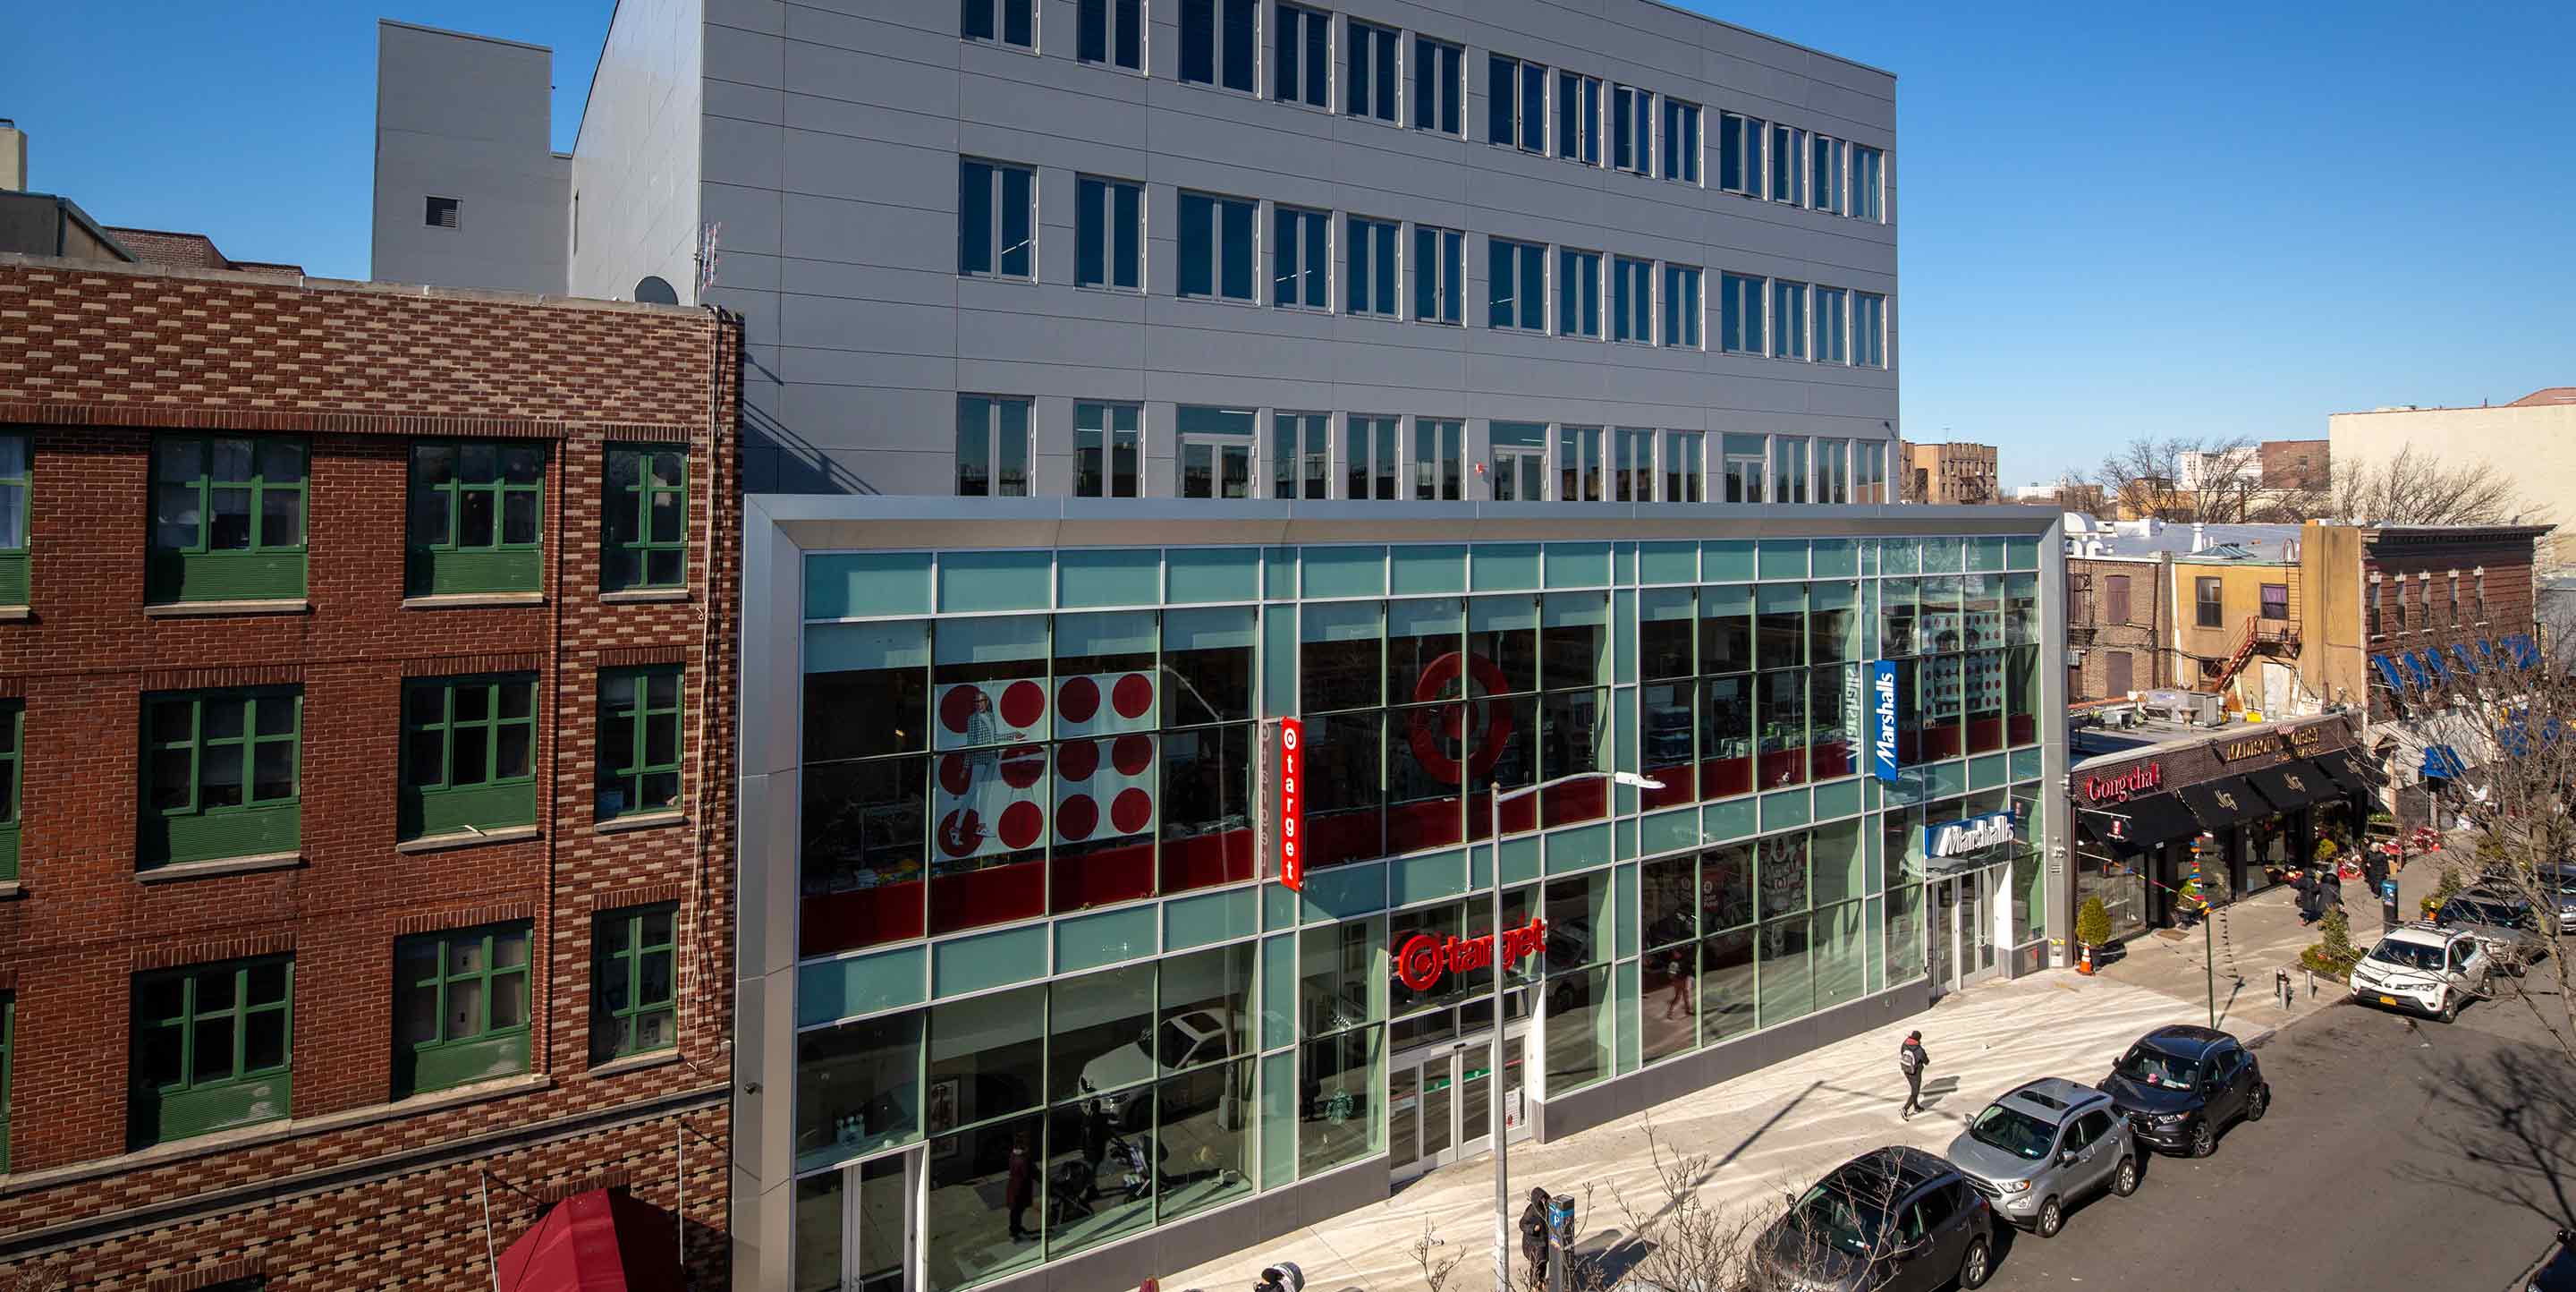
1882, 719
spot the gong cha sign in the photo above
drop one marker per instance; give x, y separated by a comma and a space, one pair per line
1423, 959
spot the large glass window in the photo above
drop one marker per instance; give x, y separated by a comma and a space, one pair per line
858, 1089
1578, 117
1439, 86
1740, 313
639, 741
1681, 306
1519, 460
1373, 85
1438, 460
469, 754
1681, 141
1301, 455
1869, 330
222, 775
474, 508
1109, 232
1369, 286
1516, 285
1110, 31
1788, 158
1869, 183
1216, 246
1739, 154
1515, 103
460, 1007
646, 526
1369, 465
1013, 22
1301, 54
992, 447
1632, 464
634, 983
1578, 293
1788, 319
1301, 258
227, 518
1825, 165
1439, 275
1632, 300
1217, 42
1578, 464
1833, 325
212, 1047
1747, 464
996, 220
16, 455
1338, 1117
1632, 125
1216, 451
1107, 450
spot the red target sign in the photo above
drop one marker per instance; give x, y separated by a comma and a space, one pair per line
1104, 789
1292, 803
1473, 729
988, 801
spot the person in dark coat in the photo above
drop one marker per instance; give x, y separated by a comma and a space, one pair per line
1912, 1059
2304, 884
1021, 1189
1534, 1237
2329, 890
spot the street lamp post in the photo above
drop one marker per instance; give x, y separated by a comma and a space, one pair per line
1499, 1122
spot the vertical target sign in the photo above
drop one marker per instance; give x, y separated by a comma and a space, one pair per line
1292, 803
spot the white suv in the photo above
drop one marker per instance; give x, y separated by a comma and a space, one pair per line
2425, 968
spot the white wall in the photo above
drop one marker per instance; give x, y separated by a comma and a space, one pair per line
466, 117
2534, 447
635, 165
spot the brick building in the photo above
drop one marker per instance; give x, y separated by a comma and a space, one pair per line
1957, 472
2296, 465
366, 655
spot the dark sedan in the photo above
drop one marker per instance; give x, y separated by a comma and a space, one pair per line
1891, 1220
2181, 1086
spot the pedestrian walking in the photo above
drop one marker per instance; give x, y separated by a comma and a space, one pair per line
2329, 891
1019, 1190
1912, 1059
2304, 883
1534, 1237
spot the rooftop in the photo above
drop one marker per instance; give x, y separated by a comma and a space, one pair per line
192, 251
2544, 397
2088, 537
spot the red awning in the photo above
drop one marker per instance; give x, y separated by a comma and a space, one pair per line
600, 1241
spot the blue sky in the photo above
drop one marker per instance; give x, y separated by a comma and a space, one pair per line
2219, 219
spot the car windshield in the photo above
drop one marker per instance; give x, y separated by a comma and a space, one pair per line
2407, 955
2017, 1133
1831, 1214
2149, 1066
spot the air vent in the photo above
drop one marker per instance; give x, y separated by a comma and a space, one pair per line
443, 212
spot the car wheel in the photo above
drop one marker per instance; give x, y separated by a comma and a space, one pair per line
2260, 1104
1979, 1265
2125, 1181
2204, 1138
2450, 1011
2052, 1217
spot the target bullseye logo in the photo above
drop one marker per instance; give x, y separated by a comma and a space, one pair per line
1440, 734
1421, 961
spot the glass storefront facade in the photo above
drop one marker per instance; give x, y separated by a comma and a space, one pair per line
1045, 999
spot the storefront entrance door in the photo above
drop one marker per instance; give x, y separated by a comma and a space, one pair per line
874, 1211
1440, 1103
1962, 931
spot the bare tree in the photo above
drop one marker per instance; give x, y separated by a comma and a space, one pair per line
1437, 1267
2183, 478
2419, 488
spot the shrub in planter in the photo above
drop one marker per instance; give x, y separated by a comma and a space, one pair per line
2333, 953
2092, 924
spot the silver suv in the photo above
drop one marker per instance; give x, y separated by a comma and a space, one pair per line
2044, 1145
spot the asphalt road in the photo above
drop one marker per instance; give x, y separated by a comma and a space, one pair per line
2397, 1154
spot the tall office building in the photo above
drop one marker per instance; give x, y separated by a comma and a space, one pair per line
1505, 391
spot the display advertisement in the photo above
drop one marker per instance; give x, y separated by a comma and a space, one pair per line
1882, 719
1292, 803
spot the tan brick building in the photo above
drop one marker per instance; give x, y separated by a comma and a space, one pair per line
366, 660
1957, 473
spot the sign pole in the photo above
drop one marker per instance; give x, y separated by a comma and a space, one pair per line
1499, 1124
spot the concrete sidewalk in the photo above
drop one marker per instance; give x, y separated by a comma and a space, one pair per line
1772, 1131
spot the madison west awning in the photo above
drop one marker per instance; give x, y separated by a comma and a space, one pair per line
2355, 771
600, 1241
2295, 785
2224, 803
2143, 822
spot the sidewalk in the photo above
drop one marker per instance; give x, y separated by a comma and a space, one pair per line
2257, 935
1774, 1130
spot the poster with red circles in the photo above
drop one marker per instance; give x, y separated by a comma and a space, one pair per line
1098, 704
985, 802
989, 713
1104, 789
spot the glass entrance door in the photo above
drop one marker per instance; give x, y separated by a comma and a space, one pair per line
1962, 927
1440, 1103
855, 1227
1943, 934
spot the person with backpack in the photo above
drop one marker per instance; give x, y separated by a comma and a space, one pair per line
1912, 1059
1534, 1237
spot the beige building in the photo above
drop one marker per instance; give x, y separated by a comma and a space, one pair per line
1957, 472
2532, 439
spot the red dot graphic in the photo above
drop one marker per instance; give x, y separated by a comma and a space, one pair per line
957, 707
1078, 699
1132, 696
952, 775
1076, 760
1132, 755
1129, 813
1021, 823
1023, 705
1022, 765
1077, 817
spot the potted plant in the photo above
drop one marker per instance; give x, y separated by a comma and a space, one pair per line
2333, 953
2451, 883
2092, 931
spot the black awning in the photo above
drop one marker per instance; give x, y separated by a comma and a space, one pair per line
2143, 822
2296, 785
2223, 803
2357, 773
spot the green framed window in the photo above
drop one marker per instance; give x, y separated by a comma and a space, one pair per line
8, 1052
221, 774
212, 1048
647, 517
639, 741
469, 753
460, 1007
17, 457
227, 518
634, 997
13, 741
475, 508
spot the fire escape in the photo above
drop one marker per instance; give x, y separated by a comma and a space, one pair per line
2278, 636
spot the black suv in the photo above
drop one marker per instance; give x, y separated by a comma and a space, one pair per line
2180, 1086
1893, 1219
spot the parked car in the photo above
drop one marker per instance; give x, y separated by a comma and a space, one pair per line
2181, 1086
2503, 922
2044, 1145
2425, 968
2559, 879
2557, 1272
1894, 1219
1185, 1039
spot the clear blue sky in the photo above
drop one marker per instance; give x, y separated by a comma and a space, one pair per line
2219, 219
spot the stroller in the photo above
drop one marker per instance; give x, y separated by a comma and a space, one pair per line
1123, 1175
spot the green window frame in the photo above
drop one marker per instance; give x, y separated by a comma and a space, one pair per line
461, 1007
477, 516
213, 1048
634, 982
222, 774
469, 753
13, 744
17, 463
639, 741
228, 518
646, 521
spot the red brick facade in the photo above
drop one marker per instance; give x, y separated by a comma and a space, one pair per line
2491, 568
352, 1191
